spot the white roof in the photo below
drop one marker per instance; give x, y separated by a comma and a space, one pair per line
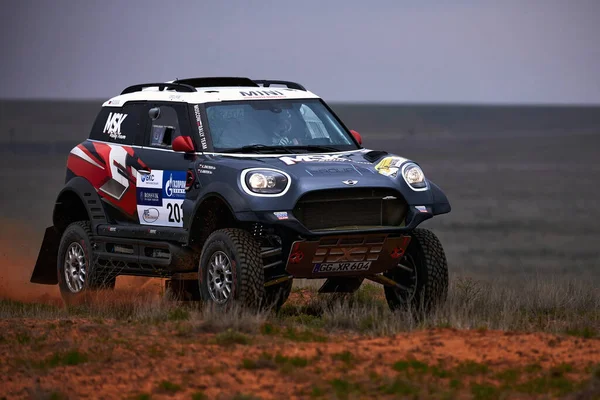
211, 94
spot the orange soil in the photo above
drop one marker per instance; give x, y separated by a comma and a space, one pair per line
131, 358
128, 359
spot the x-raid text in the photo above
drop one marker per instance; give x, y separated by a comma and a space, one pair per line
113, 125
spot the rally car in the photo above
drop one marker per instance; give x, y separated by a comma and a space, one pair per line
230, 188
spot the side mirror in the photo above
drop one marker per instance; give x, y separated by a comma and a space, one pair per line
154, 113
183, 143
356, 136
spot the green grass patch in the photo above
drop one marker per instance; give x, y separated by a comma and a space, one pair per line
73, 357
399, 387
169, 387
555, 383
23, 338
346, 357
269, 329
455, 384
343, 388
471, 368
231, 337
407, 365
199, 396
142, 396
317, 391
586, 332
508, 376
484, 391
178, 314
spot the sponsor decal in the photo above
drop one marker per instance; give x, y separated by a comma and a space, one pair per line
200, 127
150, 197
329, 171
422, 209
174, 185
160, 196
281, 215
390, 166
113, 125
342, 267
319, 158
150, 215
261, 93
151, 180
205, 169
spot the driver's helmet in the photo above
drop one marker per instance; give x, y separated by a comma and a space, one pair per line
284, 132
282, 124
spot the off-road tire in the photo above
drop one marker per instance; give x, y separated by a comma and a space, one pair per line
277, 295
432, 275
80, 232
248, 278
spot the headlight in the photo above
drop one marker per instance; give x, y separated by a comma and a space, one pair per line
265, 182
414, 176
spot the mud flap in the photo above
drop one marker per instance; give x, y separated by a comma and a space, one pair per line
44, 271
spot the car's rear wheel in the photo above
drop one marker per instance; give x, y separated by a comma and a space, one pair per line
75, 265
422, 273
231, 270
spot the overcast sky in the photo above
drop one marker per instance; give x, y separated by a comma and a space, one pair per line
504, 51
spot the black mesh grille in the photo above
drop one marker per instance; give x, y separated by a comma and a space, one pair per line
355, 208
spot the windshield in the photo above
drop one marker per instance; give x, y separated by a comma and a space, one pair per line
305, 123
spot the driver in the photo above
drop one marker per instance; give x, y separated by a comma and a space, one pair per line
284, 132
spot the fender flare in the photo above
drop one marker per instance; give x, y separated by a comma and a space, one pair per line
234, 201
44, 271
88, 196
440, 203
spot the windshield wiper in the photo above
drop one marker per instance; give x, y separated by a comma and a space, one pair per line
313, 148
258, 148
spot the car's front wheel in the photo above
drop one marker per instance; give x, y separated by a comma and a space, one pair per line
75, 265
422, 274
231, 270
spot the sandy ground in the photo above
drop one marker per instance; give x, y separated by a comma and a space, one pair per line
128, 360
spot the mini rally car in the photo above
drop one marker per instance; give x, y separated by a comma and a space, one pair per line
231, 188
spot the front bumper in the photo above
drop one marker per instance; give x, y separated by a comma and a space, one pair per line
357, 255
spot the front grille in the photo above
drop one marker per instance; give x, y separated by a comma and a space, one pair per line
352, 208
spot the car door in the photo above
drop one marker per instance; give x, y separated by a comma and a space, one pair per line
161, 188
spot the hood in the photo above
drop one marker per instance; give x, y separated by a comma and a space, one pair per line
351, 164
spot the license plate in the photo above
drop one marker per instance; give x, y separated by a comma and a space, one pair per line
342, 267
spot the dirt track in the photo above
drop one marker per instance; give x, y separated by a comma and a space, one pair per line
116, 360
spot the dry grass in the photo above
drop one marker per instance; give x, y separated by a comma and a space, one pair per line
545, 305
540, 305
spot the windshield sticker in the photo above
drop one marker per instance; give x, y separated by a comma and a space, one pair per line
113, 125
261, 94
200, 127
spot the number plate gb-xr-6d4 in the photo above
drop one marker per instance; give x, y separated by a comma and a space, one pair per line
348, 255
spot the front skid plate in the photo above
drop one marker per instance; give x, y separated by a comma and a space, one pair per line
355, 255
